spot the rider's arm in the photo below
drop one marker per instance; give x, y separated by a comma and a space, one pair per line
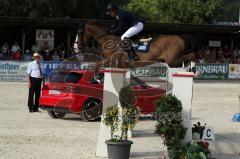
118, 29
115, 24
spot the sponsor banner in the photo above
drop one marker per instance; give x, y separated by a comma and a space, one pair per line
155, 70
13, 71
214, 43
212, 71
16, 71
44, 35
49, 66
45, 38
234, 71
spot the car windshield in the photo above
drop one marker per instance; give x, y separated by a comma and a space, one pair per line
66, 77
136, 82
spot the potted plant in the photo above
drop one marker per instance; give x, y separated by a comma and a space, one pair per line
123, 118
169, 125
197, 130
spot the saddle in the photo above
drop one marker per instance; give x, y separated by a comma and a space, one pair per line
133, 46
143, 45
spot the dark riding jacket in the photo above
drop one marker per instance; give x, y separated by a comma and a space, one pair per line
124, 19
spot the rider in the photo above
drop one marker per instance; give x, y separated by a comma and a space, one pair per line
128, 20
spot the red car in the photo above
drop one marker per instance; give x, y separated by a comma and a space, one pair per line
81, 92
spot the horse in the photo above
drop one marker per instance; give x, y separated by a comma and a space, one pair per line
171, 49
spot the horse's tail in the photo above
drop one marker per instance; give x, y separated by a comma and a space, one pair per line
191, 44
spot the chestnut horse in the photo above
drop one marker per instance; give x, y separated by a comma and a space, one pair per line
172, 49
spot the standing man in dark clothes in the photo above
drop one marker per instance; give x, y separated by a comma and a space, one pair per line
35, 77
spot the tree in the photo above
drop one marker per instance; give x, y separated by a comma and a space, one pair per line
230, 11
55, 8
183, 11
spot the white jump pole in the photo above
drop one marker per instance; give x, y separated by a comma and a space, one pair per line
183, 90
114, 80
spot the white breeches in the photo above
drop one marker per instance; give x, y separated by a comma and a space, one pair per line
133, 30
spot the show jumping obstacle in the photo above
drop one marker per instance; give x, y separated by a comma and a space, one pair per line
116, 78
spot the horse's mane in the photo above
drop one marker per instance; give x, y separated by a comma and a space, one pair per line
97, 23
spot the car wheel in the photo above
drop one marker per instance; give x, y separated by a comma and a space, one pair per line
92, 110
54, 114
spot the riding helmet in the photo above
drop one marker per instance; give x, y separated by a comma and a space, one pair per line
111, 7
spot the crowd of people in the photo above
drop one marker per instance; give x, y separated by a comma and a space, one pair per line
205, 55
15, 52
219, 55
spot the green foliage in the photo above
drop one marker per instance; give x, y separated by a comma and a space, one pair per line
168, 103
183, 11
193, 151
111, 119
127, 96
55, 8
128, 117
169, 124
229, 11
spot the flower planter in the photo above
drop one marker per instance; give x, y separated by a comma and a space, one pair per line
196, 136
119, 150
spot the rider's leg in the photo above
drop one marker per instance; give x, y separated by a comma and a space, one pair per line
133, 31
129, 33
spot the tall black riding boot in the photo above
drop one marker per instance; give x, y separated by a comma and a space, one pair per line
127, 46
133, 54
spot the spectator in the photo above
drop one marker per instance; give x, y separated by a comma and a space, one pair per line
47, 56
236, 54
45, 46
227, 54
221, 58
55, 56
5, 51
207, 54
15, 47
200, 55
60, 47
16, 56
27, 56
35, 48
62, 56
213, 56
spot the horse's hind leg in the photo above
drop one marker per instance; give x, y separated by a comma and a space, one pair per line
186, 59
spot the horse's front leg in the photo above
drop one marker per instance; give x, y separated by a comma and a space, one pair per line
100, 64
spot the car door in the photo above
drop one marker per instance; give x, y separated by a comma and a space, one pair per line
146, 95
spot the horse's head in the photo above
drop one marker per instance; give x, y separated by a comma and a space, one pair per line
83, 39
93, 30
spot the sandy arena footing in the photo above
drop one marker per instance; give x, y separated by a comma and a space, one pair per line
26, 135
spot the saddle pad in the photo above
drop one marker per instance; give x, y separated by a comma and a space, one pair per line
143, 46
